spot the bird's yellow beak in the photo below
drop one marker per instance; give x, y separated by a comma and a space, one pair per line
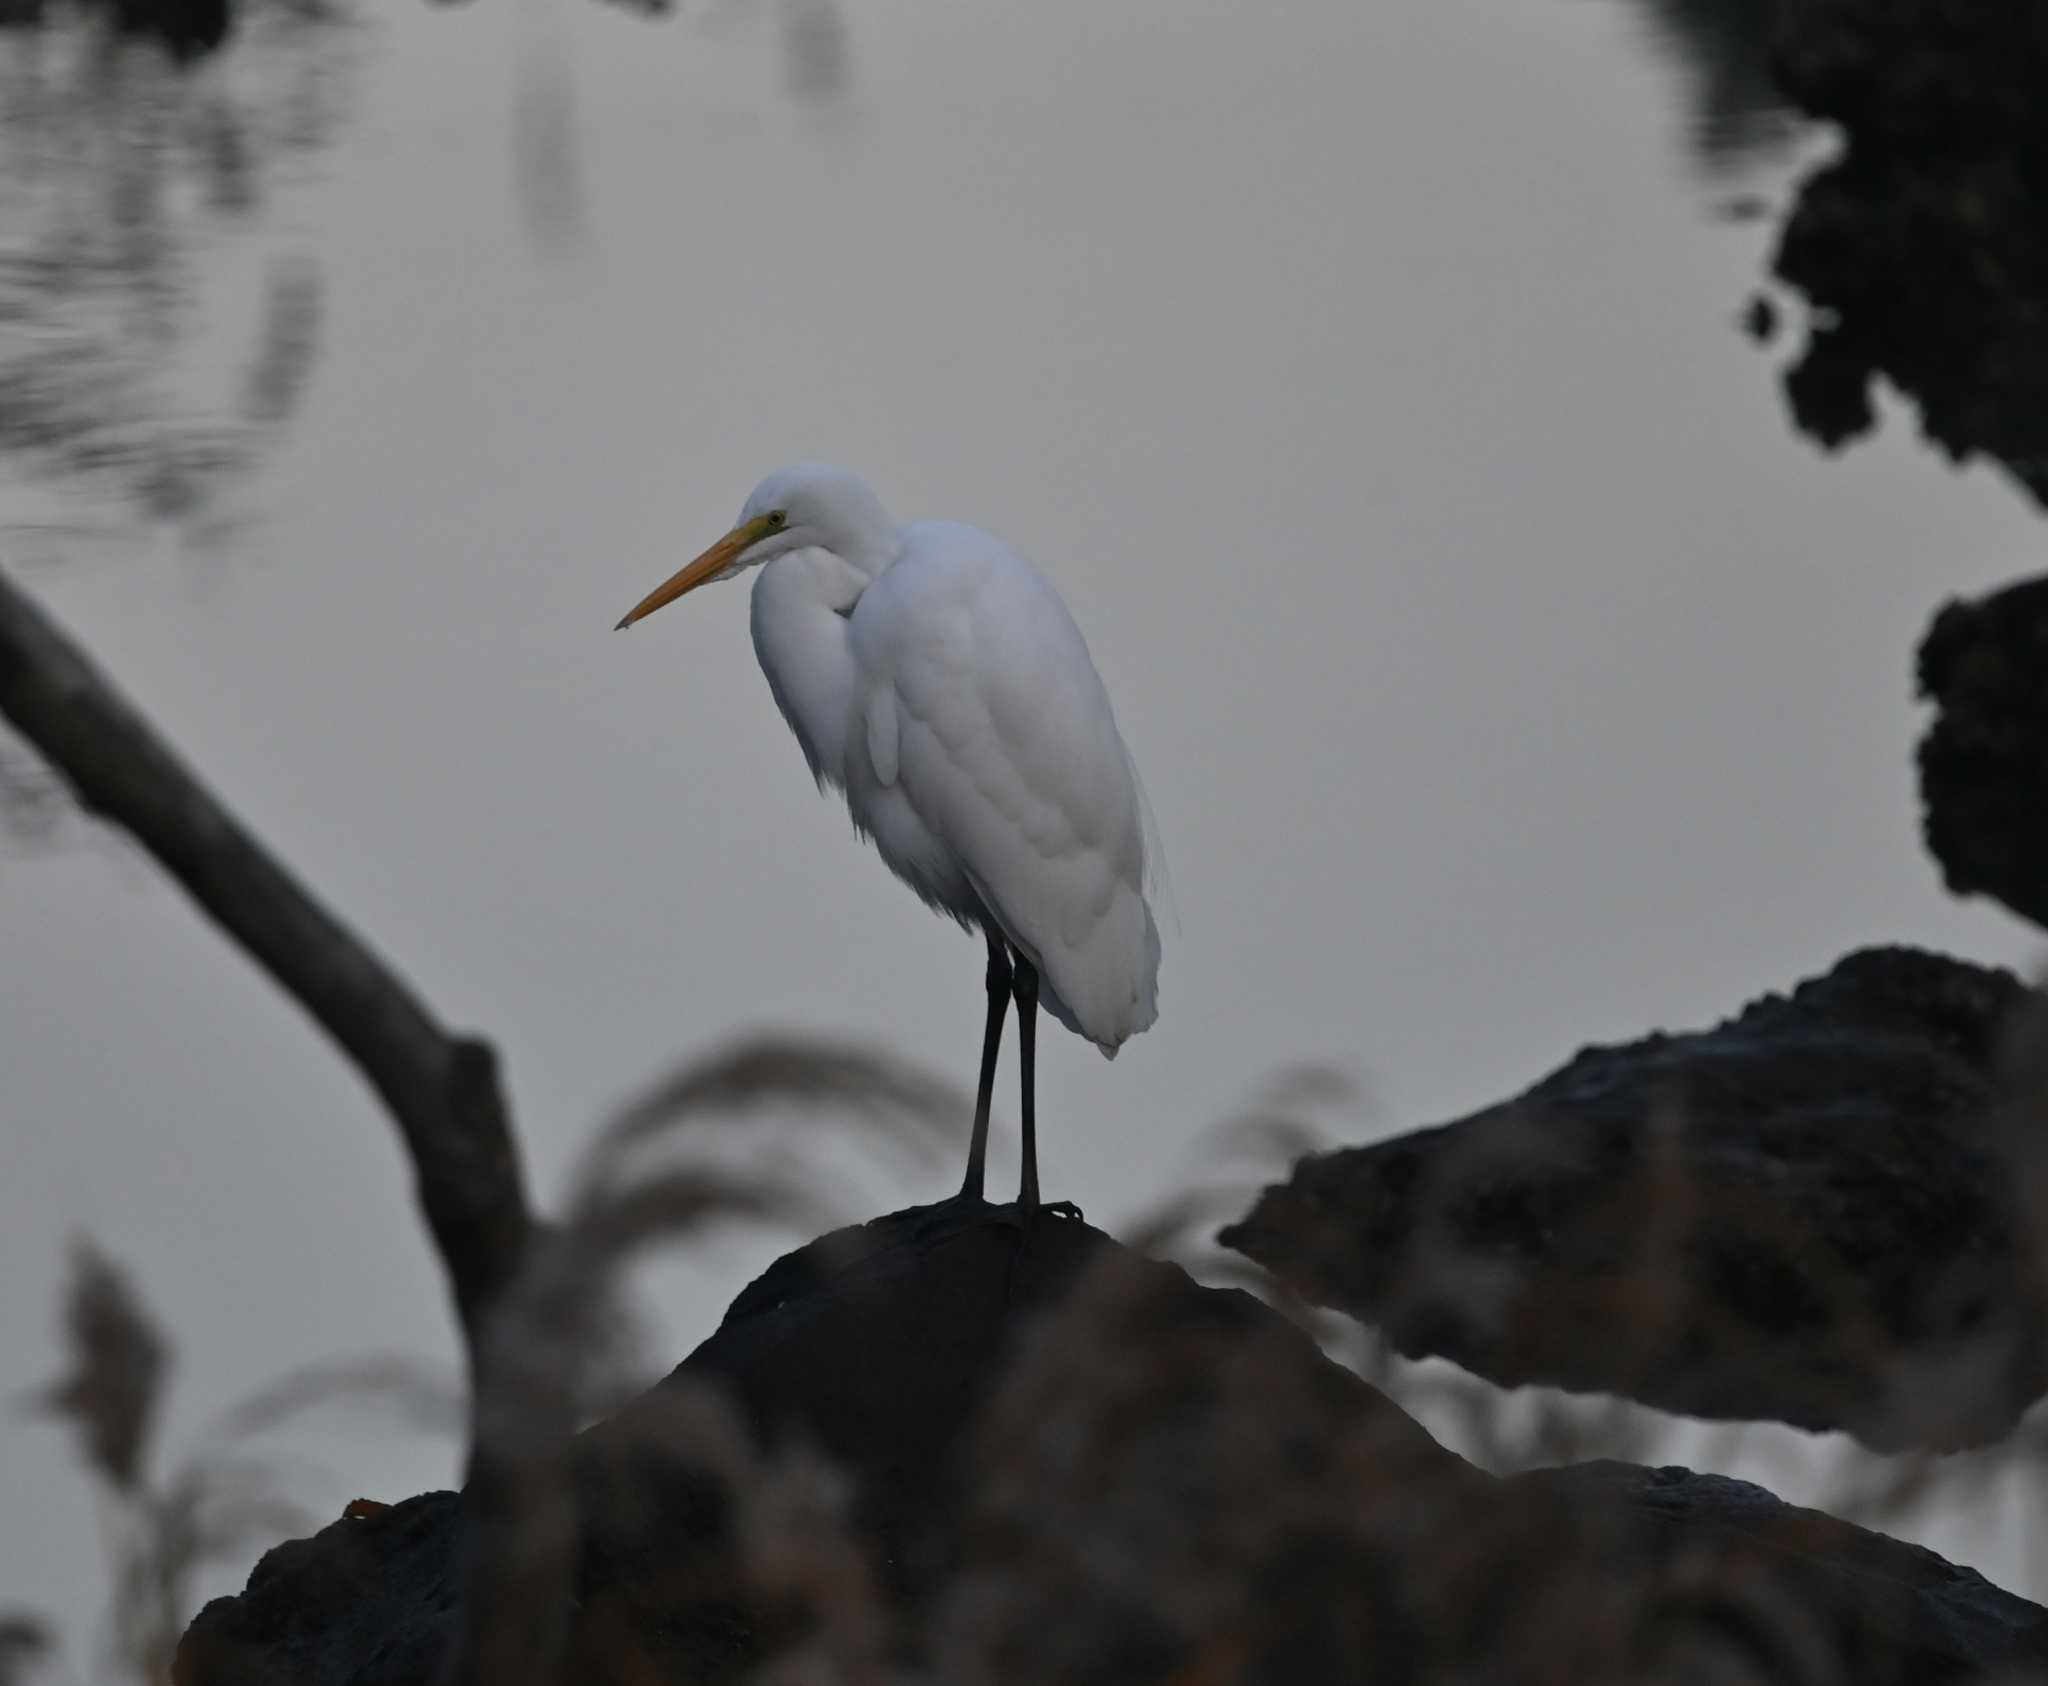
709, 566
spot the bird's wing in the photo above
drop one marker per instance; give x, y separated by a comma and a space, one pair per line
883, 739
1005, 746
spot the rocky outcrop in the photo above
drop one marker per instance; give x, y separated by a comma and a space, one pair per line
1805, 1214
1060, 1462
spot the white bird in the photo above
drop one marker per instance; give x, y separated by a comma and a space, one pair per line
931, 673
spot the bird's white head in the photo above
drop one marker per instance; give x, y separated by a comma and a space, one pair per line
806, 506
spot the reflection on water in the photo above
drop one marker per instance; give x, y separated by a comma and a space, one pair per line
815, 61
1923, 247
32, 800
1737, 110
814, 49
118, 168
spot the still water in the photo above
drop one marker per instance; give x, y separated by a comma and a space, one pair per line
1503, 673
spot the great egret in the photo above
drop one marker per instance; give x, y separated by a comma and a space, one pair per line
930, 673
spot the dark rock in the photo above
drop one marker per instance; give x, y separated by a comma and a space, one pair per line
875, 1345
1802, 1214
1159, 1500
368, 1598
1176, 1484
1881, 1608
1923, 248
1074, 1465
1984, 761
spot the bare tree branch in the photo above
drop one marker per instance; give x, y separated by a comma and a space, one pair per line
441, 1089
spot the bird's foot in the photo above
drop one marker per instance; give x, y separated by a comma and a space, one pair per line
956, 1211
1066, 1209
965, 1208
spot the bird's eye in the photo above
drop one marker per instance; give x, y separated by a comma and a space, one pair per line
777, 520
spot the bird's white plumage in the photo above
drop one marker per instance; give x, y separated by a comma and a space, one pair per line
932, 674
995, 732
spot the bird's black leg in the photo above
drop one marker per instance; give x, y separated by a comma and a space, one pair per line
999, 978
1026, 989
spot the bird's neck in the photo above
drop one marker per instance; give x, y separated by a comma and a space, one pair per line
859, 556
801, 605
